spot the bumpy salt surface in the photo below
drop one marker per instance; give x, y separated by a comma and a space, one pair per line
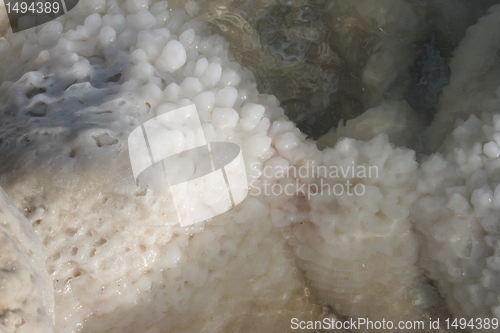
26, 292
117, 256
459, 207
75, 88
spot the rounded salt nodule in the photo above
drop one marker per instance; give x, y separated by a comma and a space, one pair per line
172, 57
226, 97
491, 150
49, 34
187, 38
92, 24
223, 118
286, 142
116, 22
482, 199
281, 126
230, 77
258, 145
127, 38
142, 72
212, 75
191, 86
135, 6
143, 20
254, 111
160, 6
152, 42
172, 92
201, 67
251, 116
107, 35
205, 101
151, 93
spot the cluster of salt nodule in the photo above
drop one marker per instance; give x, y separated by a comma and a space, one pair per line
358, 251
73, 91
324, 60
457, 212
457, 217
26, 291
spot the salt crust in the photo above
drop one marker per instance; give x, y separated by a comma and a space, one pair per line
117, 257
26, 291
459, 205
76, 88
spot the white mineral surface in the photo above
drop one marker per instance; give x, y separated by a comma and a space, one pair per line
104, 255
26, 291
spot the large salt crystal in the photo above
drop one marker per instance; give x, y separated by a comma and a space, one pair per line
136, 5
153, 42
191, 86
205, 101
251, 115
230, 77
172, 57
201, 67
226, 97
127, 38
141, 21
491, 150
223, 118
212, 75
172, 92
258, 145
107, 35
116, 22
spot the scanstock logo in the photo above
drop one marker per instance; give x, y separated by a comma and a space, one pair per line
205, 179
26, 14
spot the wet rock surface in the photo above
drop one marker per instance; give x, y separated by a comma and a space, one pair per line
314, 55
303, 52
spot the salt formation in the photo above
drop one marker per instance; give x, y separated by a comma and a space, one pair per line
72, 91
26, 292
327, 60
458, 211
118, 258
332, 60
